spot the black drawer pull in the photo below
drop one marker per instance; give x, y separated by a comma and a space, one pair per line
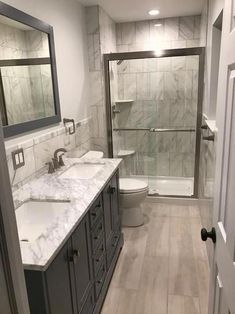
112, 190
94, 214
75, 256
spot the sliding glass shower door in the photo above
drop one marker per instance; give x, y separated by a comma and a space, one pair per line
155, 112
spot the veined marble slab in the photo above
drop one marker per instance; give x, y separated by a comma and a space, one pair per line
39, 254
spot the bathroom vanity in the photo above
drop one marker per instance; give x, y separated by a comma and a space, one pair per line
69, 267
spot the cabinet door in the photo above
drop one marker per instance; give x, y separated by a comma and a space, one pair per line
81, 257
60, 284
107, 212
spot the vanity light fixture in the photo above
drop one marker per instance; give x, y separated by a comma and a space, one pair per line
158, 24
154, 12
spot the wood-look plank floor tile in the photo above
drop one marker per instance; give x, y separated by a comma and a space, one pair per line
183, 305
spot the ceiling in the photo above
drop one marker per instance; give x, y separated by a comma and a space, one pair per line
135, 10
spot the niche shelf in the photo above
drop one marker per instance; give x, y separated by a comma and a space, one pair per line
125, 153
124, 101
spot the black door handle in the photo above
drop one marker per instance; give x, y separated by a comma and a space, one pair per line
211, 234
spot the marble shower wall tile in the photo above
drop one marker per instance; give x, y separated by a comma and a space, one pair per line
166, 96
173, 33
101, 33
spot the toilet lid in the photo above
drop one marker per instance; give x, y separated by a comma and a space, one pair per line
132, 185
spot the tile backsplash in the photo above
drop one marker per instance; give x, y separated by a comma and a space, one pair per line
39, 149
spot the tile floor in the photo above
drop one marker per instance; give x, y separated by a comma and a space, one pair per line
163, 267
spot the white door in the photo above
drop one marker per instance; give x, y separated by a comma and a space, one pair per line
223, 276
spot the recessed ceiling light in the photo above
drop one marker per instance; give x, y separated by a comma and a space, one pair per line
154, 12
158, 25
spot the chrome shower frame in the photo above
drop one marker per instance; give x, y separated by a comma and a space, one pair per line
198, 51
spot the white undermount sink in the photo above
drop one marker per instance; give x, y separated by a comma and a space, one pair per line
33, 218
82, 171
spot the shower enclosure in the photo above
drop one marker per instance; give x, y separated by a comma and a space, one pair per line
154, 112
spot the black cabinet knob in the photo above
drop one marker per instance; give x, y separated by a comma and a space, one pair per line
211, 234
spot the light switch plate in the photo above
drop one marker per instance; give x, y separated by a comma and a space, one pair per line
18, 158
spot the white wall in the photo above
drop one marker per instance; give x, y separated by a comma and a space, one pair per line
68, 20
215, 7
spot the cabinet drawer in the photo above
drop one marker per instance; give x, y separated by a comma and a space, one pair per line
112, 248
97, 234
98, 256
89, 304
100, 279
96, 211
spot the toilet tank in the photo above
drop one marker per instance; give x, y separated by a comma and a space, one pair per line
92, 154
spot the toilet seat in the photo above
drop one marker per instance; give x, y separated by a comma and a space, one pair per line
129, 186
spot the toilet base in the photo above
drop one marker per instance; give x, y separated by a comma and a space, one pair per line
132, 217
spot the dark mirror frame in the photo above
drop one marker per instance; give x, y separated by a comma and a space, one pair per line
19, 16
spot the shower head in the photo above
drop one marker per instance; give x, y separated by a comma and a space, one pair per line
119, 62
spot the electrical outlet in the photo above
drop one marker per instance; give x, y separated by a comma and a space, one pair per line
18, 158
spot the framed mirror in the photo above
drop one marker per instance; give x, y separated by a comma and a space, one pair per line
29, 97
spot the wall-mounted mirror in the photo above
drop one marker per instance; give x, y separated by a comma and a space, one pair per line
28, 81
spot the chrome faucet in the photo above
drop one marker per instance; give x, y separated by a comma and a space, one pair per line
58, 162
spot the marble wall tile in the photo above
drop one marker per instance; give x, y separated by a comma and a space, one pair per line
43, 152
157, 33
163, 114
177, 114
96, 93
157, 84
124, 67
176, 164
130, 86
138, 65
186, 27
193, 43
152, 65
176, 44
171, 29
166, 142
142, 31
143, 86
188, 165
178, 63
128, 33
163, 164
150, 113
197, 27
164, 64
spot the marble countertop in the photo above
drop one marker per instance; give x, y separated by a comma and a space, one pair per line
81, 193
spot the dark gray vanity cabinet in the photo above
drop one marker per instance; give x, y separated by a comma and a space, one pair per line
80, 257
77, 280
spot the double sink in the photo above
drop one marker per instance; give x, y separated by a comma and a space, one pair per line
35, 216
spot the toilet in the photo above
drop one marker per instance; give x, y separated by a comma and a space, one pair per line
132, 193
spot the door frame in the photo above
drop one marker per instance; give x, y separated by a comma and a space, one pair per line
198, 51
10, 247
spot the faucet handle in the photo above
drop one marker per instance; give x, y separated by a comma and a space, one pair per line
61, 161
50, 167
